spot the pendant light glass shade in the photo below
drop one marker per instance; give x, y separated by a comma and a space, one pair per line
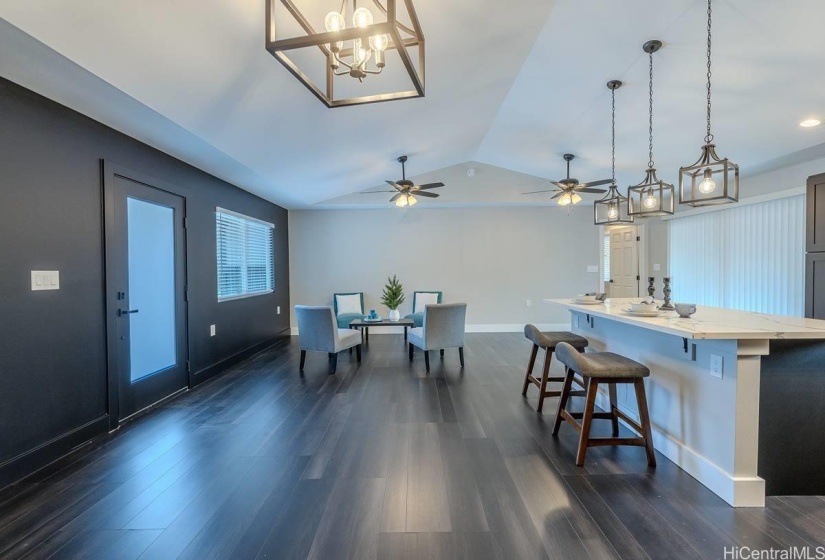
651, 197
612, 209
711, 179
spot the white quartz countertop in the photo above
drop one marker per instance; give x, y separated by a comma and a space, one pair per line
707, 322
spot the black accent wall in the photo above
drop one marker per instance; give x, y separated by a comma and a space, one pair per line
53, 343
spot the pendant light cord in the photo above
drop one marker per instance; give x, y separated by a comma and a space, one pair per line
650, 121
709, 136
613, 133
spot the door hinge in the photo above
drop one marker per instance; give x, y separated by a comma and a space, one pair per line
186, 293
186, 221
638, 238
188, 368
638, 278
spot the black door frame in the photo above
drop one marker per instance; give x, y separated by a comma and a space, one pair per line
110, 172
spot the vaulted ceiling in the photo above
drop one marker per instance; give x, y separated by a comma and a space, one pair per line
510, 87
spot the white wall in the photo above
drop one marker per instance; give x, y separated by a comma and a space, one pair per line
494, 259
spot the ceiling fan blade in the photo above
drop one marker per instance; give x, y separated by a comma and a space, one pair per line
426, 194
558, 194
373, 192
594, 191
536, 192
396, 197
428, 186
396, 186
595, 183
560, 185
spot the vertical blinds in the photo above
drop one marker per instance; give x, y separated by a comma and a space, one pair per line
606, 257
748, 257
245, 255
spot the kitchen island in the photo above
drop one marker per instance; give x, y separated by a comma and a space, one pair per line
737, 399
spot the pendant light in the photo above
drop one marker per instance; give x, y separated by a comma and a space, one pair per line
651, 197
612, 209
710, 180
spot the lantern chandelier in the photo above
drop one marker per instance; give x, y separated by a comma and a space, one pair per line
651, 197
612, 208
699, 183
356, 51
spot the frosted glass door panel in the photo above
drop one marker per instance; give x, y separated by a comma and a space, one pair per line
151, 238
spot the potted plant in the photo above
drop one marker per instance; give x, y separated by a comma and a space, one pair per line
393, 297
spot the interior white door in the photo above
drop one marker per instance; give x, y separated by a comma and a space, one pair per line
624, 263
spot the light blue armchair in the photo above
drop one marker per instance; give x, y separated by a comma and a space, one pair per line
347, 316
443, 328
318, 332
418, 305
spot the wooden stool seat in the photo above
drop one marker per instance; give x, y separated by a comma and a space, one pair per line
609, 369
548, 342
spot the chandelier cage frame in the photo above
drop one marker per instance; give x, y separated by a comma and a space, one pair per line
402, 38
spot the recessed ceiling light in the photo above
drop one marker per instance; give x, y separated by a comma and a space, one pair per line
807, 123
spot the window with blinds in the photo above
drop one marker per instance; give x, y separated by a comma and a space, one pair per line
245, 255
748, 257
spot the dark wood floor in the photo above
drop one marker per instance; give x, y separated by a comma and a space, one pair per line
377, 461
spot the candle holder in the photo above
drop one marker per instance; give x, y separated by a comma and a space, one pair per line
666, 306
650, 288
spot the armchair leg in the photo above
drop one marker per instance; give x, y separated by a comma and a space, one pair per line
442, 352
367, 333
303, 359
333, 364
461, 355
411, 352
427, 360
358, 353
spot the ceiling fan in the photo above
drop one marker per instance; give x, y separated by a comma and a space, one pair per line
568, 188
405, 189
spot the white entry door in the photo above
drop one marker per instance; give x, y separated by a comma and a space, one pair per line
624, 263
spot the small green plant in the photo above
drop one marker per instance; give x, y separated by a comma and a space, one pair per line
393, 295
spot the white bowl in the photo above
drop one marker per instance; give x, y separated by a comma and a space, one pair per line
582, 297
643, 307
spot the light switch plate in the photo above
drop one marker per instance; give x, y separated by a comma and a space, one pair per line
211, 330
45, 280
716, 365
279, 310
592, 268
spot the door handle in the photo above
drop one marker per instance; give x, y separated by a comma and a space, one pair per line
611, 280
122, 312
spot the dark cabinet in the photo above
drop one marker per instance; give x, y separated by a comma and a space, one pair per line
815, 239
815, 246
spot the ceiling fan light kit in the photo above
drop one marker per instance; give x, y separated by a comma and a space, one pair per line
711, 179
651, 197
612, 209
355, 51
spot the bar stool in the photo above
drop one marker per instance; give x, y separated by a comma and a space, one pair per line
610, 369
548, 342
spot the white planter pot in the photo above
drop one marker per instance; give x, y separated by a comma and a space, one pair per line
395, 315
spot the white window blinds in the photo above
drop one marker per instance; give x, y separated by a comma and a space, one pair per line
750, 257
244, 254
606, 257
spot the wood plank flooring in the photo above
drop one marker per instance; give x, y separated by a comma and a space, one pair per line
379, 461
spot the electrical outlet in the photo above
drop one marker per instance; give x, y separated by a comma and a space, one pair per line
575, 320
211, 330
717, 363
592, 268
529, 303
279, 310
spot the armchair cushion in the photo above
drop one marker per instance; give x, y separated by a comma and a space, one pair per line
422, 299
415, 336
443, 327
347, 338
348, 304
344, 320
418, 318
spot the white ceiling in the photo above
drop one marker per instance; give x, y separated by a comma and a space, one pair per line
510, 87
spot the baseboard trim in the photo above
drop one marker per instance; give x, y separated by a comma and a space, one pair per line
481, 328
736, 491
31, 461
211, 371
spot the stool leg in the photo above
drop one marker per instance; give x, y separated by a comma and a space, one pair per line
644, 420
587, 420
613, 408
565, 395
427, 360
461, 355
548, 355
530, 369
